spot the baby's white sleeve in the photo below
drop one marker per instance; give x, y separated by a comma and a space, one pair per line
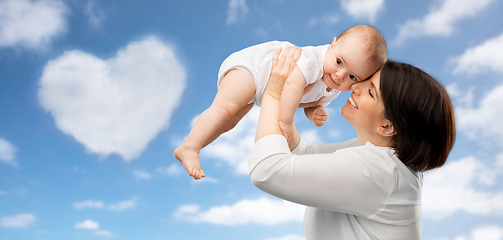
310, 65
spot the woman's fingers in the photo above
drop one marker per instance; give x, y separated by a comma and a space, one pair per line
292, 56
288, 60
283, 58
275, 56
297, 53
288, 55
283, 63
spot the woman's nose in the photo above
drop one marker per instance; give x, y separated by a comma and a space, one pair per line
356, 87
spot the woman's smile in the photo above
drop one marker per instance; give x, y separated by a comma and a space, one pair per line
352, 102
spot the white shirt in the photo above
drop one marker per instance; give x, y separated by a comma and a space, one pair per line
257, 61
351, 192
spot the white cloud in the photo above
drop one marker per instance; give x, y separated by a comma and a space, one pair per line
262, 33
487, 233
234, 146
261, 211
483, 57
311, 135
185, 210
7, 152
119, 206
490, 232
289, 237
174, 170
81, 170
363, 9
480, 122
104, 233
31, 23
92, 225
454, 188
89, 204
323, 19
141, 175
115, 106
463, 96
16, 191
124, 205
88, 224
483, 122
441, 19
18, 221
94, 13
206, 179
237, 11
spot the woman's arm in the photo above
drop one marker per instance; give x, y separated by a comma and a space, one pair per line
311, 148
339, 181
282, 67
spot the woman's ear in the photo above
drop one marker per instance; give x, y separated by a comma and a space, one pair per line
386, 129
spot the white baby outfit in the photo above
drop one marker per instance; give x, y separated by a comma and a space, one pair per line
257, 61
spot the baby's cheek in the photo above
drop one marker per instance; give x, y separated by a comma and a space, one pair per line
346, 86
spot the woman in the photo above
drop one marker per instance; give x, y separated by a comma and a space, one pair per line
365, 188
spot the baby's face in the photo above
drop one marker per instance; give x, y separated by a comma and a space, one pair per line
346, 63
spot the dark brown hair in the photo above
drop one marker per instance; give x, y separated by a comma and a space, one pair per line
421, 113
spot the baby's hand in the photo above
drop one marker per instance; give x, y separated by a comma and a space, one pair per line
319, 116
287, 130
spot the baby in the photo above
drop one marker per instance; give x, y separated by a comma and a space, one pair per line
321, 73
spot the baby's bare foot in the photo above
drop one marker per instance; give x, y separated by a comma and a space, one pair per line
319, 116
190, 161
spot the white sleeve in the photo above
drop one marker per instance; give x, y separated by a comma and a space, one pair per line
338, 181
310, 64
309, 148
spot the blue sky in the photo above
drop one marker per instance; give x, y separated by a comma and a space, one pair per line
96, 94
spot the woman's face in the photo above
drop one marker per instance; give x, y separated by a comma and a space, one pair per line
364, 108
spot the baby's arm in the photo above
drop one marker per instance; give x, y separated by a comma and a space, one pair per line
291, 96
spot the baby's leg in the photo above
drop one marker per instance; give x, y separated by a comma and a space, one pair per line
226, 126
235, 92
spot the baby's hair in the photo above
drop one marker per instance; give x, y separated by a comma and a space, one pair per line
374, 42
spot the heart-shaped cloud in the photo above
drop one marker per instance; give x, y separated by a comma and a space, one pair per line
118, 105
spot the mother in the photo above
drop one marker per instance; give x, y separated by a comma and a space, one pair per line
365, 188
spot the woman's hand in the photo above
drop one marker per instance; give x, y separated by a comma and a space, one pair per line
282, 67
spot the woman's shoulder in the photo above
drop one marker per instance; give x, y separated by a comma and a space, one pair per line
374, 156
384, 159
405, 196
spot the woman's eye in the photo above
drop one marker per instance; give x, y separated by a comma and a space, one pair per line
339, 62
370, 93
352, 77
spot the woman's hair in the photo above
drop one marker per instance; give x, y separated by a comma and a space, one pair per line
421, 113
